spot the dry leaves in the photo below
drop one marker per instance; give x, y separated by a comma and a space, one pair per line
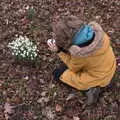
8, 109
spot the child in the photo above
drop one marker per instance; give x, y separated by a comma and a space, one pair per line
87, 54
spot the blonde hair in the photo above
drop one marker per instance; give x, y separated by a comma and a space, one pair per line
64, 29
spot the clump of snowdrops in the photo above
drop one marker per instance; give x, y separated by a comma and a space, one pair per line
23, 48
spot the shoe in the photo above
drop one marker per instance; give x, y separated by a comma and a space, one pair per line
93, 95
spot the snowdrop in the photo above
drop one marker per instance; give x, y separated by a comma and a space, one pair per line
23, 48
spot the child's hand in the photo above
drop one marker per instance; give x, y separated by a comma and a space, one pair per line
52, 45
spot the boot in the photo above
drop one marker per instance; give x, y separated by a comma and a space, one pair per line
93, 95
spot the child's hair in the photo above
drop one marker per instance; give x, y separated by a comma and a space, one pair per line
64, 29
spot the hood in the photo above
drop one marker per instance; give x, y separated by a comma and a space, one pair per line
94, 46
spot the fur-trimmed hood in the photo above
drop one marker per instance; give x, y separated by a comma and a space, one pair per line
95, 45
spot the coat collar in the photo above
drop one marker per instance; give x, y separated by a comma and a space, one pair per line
95, 45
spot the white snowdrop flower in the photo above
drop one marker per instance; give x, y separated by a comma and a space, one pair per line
24, 52
34, 47
23, 48
35, 54
21, 37
16, 53
27, 53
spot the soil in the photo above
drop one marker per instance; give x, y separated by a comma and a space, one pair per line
30, 87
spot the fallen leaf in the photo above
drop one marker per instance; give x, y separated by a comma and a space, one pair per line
70, 96
16, 100
58, 108
1, 83
7, 117
52, 85
24, 21
118, 63
110, 117
49, 113
42, 100
26, 78
8, 108
76, 118
43, 94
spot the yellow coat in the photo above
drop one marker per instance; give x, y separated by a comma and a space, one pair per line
91, 66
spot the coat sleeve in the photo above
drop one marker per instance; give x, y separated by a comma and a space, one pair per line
72, 63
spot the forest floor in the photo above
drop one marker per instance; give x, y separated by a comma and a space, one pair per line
28, 92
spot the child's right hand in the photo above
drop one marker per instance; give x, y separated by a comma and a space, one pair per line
52, 45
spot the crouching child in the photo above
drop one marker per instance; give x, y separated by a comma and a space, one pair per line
89, 60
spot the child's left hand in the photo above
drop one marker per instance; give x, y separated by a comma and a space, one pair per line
52, 45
